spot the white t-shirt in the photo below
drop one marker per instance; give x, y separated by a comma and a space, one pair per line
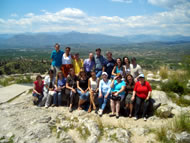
94, 84
135, 70
66, 60
47, 82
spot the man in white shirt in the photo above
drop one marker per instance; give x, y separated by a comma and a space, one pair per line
136, 69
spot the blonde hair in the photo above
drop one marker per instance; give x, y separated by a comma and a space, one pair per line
57, 77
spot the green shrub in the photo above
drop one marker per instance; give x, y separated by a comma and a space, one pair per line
181, 123
164, 72
173, 86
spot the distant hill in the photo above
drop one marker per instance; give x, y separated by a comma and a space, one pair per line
46, 39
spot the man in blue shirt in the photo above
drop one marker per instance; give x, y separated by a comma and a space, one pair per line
109, 64
99, 62
56, 57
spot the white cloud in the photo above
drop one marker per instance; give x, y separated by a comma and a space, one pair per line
171, 22
14, 15
124, 1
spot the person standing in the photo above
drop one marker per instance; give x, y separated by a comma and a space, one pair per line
109, 64
141, 94
136, 69
126, 65
77, 64
56, 57
89, 64
118, 68
66, 62
99, 62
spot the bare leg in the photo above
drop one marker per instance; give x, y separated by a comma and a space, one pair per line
131, 109
112, 103
117, 107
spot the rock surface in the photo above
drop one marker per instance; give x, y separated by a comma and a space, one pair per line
21, 121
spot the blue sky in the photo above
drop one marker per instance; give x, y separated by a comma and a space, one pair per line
112, 17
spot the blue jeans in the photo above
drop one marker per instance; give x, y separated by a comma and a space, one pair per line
57, 98
39, 98
103, 101
98, 72
83, 96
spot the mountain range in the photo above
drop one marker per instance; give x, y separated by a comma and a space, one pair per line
46, 39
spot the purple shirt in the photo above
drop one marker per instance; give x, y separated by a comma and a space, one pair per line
88, 65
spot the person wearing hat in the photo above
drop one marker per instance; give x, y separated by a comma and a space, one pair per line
135, 69
99, 62
141, 94
118, 94
77, 63
104, 92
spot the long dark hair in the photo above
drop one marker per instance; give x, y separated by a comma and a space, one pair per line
121, 62
124, 60
127, 81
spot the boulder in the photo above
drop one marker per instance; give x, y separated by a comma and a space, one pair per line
186, 97
183, 137
164, 111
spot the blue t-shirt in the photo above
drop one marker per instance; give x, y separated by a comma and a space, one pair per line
56, 58
61, 83
117, 87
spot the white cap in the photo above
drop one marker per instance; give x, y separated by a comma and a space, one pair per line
141, 75
105, 73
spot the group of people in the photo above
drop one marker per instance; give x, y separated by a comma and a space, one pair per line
97, 78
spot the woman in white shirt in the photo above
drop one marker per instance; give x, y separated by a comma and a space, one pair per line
126, 65
93, 84
66, 62
104, 92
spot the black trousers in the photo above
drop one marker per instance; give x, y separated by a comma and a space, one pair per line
139, 102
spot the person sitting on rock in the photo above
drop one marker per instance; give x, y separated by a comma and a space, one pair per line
38, 90
104, 92
48, 89
82, 88
59, 88
93, 84
118, 94
141, 93
129, 93
70, 91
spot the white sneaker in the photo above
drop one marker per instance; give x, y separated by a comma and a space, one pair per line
100, 112
135, 118
145, 119
46, 106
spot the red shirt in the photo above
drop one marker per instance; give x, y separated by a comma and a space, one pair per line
38, 87
142, 90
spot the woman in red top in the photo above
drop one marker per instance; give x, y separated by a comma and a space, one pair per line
38, 90
142, 90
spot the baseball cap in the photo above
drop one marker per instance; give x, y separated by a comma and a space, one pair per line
141, 75
105, 73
